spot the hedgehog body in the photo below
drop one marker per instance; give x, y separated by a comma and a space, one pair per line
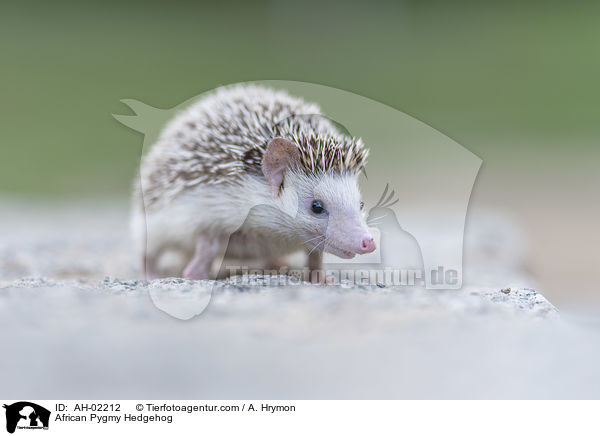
240, 171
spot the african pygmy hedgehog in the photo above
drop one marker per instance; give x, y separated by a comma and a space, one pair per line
244, 149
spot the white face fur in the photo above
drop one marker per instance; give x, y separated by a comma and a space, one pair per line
328, 213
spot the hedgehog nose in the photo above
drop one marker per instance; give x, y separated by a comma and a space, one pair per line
367, 245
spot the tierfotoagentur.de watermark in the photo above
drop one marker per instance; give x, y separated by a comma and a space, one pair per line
244, 275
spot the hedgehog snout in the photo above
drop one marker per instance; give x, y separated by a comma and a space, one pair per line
355, 240
367, 245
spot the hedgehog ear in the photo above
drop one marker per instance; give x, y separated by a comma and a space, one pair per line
280, 155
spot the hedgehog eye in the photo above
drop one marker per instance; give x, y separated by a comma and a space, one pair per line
362, 205
317, 207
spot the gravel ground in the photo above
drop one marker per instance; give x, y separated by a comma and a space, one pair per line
71, 329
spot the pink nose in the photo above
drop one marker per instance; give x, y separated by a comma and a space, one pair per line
367, 245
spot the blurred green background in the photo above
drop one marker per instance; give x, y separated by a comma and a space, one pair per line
514, 82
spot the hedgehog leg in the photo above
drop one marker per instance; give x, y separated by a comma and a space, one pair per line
315, 267
200, 266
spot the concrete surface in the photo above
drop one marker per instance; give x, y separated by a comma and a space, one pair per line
70, 329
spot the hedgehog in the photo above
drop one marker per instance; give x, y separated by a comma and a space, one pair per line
252, 172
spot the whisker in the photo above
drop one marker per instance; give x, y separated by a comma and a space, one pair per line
312, 239
315, 247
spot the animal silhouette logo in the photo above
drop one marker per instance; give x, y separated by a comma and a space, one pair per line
422, 229
398, 248
26, 415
